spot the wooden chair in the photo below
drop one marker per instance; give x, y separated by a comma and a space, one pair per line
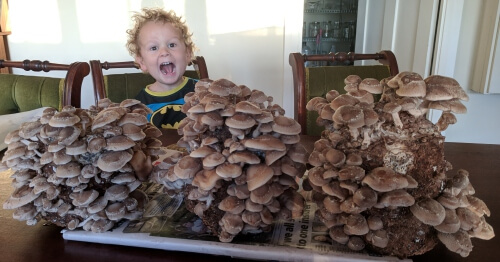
309, 82
119, 87
20, 93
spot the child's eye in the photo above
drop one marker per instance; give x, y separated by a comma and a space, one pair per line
172, 45
153, 48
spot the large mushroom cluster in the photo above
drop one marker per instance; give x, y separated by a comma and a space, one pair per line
242, 163
82, 168
378, 171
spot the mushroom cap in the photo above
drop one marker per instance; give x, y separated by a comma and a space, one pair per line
313, 103
261, 195
202, 151
392, 107
212, 119
365, 197
214, 159
371, 85
247, 108
71, 169
118, 143
468, 219
116, 192
113, 160
116, 211
187, 167
231, 223
96, 144
258, 175
286, 126
338, 235
396, 198
264, 142
133, 131
411, 84
374, 223
253, 207
76, 148
132, 118
350, 115
458, 242
452, 105
444, 88
105, 117
240, 121
342, 100
245, 157
62, 119
428, 211
356, 225
450, 224
232, 205
354, 173
206, 179
384, 179
84, 198
228, 170
30, 129
315, 176
378, 238
20, 197
363, 96
61, 157
223, 87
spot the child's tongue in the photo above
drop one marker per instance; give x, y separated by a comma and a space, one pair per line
167, 68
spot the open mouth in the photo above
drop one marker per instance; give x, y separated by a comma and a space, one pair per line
167, 68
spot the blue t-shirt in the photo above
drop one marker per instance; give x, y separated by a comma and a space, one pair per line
166, 106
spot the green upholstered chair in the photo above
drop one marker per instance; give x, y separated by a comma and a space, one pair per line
118, 87
309, 82
21, 93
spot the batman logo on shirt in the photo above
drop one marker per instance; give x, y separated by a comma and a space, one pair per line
168, 116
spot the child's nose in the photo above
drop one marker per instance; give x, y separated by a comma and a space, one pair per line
164, 51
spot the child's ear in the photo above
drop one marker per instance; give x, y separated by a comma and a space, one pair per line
188, 56
140, 62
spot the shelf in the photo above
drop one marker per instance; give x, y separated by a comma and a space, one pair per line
328, 11
324, 39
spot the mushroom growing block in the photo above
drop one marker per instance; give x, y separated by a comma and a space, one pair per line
249, 159
384, 184
86, 172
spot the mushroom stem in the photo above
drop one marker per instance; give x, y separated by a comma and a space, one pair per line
354, 132
366, 138
397, 120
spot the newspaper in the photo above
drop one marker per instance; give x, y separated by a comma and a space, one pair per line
167, 224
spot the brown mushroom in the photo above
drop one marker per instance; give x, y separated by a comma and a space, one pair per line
428, 211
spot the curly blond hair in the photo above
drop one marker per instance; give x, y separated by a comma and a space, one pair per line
162, 16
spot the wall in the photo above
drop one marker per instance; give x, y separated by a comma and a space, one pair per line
241, 40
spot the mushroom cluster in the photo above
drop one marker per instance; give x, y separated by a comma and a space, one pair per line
82, 168
378, 171
243, 160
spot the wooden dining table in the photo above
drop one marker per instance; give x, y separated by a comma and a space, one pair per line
44, 242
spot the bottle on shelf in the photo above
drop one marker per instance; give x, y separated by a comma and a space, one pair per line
306, 51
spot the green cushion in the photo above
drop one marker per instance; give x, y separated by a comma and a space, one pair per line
123, 86
320, 80
20, 93
119, 87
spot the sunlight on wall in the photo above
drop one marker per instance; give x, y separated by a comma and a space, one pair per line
228, 16
97, 24
40, 23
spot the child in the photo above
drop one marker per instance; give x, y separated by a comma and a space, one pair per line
161, 44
